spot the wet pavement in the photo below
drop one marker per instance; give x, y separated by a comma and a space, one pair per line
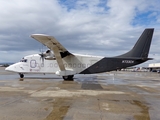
108, 96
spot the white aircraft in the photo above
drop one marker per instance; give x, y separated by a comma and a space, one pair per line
58, 60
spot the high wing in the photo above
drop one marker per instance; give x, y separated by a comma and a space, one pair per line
55, 46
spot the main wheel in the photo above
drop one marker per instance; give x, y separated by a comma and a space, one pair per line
68, 78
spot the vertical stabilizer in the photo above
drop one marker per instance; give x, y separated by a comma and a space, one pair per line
141, 48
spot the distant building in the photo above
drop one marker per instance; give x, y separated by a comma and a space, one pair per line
154, 66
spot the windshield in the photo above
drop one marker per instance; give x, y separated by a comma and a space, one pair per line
23, 60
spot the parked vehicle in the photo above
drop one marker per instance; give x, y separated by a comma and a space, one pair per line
154, 70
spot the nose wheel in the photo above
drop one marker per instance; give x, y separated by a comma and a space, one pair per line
21, 75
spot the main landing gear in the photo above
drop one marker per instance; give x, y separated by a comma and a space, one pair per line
68, 78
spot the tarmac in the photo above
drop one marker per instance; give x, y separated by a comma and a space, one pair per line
117, 95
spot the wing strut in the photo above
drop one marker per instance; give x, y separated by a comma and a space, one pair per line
58, 58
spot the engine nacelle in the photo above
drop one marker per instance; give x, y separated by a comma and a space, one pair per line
49, 55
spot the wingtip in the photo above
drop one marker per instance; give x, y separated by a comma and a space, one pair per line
33, 35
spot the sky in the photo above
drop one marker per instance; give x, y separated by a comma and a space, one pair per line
94, 27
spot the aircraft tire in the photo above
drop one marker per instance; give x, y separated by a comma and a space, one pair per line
21, 75
68, 78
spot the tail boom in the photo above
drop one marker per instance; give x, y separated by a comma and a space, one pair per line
137, 55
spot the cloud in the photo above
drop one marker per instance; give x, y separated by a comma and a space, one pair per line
96, 27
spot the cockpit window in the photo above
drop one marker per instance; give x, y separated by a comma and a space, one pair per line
23, 60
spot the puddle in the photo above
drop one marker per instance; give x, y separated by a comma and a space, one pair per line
139, 110
91, 86
112, 81
9, 77
60, 109
144, 113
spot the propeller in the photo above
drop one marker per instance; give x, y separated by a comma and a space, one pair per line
43, 55
46, 54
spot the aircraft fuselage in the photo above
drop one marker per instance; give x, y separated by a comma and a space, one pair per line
35, 64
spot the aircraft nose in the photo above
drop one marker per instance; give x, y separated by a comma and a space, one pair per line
10, 68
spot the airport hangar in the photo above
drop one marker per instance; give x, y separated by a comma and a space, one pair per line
154, 66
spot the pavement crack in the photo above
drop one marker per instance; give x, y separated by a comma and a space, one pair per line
99, 109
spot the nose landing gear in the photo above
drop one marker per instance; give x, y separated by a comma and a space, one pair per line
21, 75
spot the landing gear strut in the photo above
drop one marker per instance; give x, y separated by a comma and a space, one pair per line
68, 78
